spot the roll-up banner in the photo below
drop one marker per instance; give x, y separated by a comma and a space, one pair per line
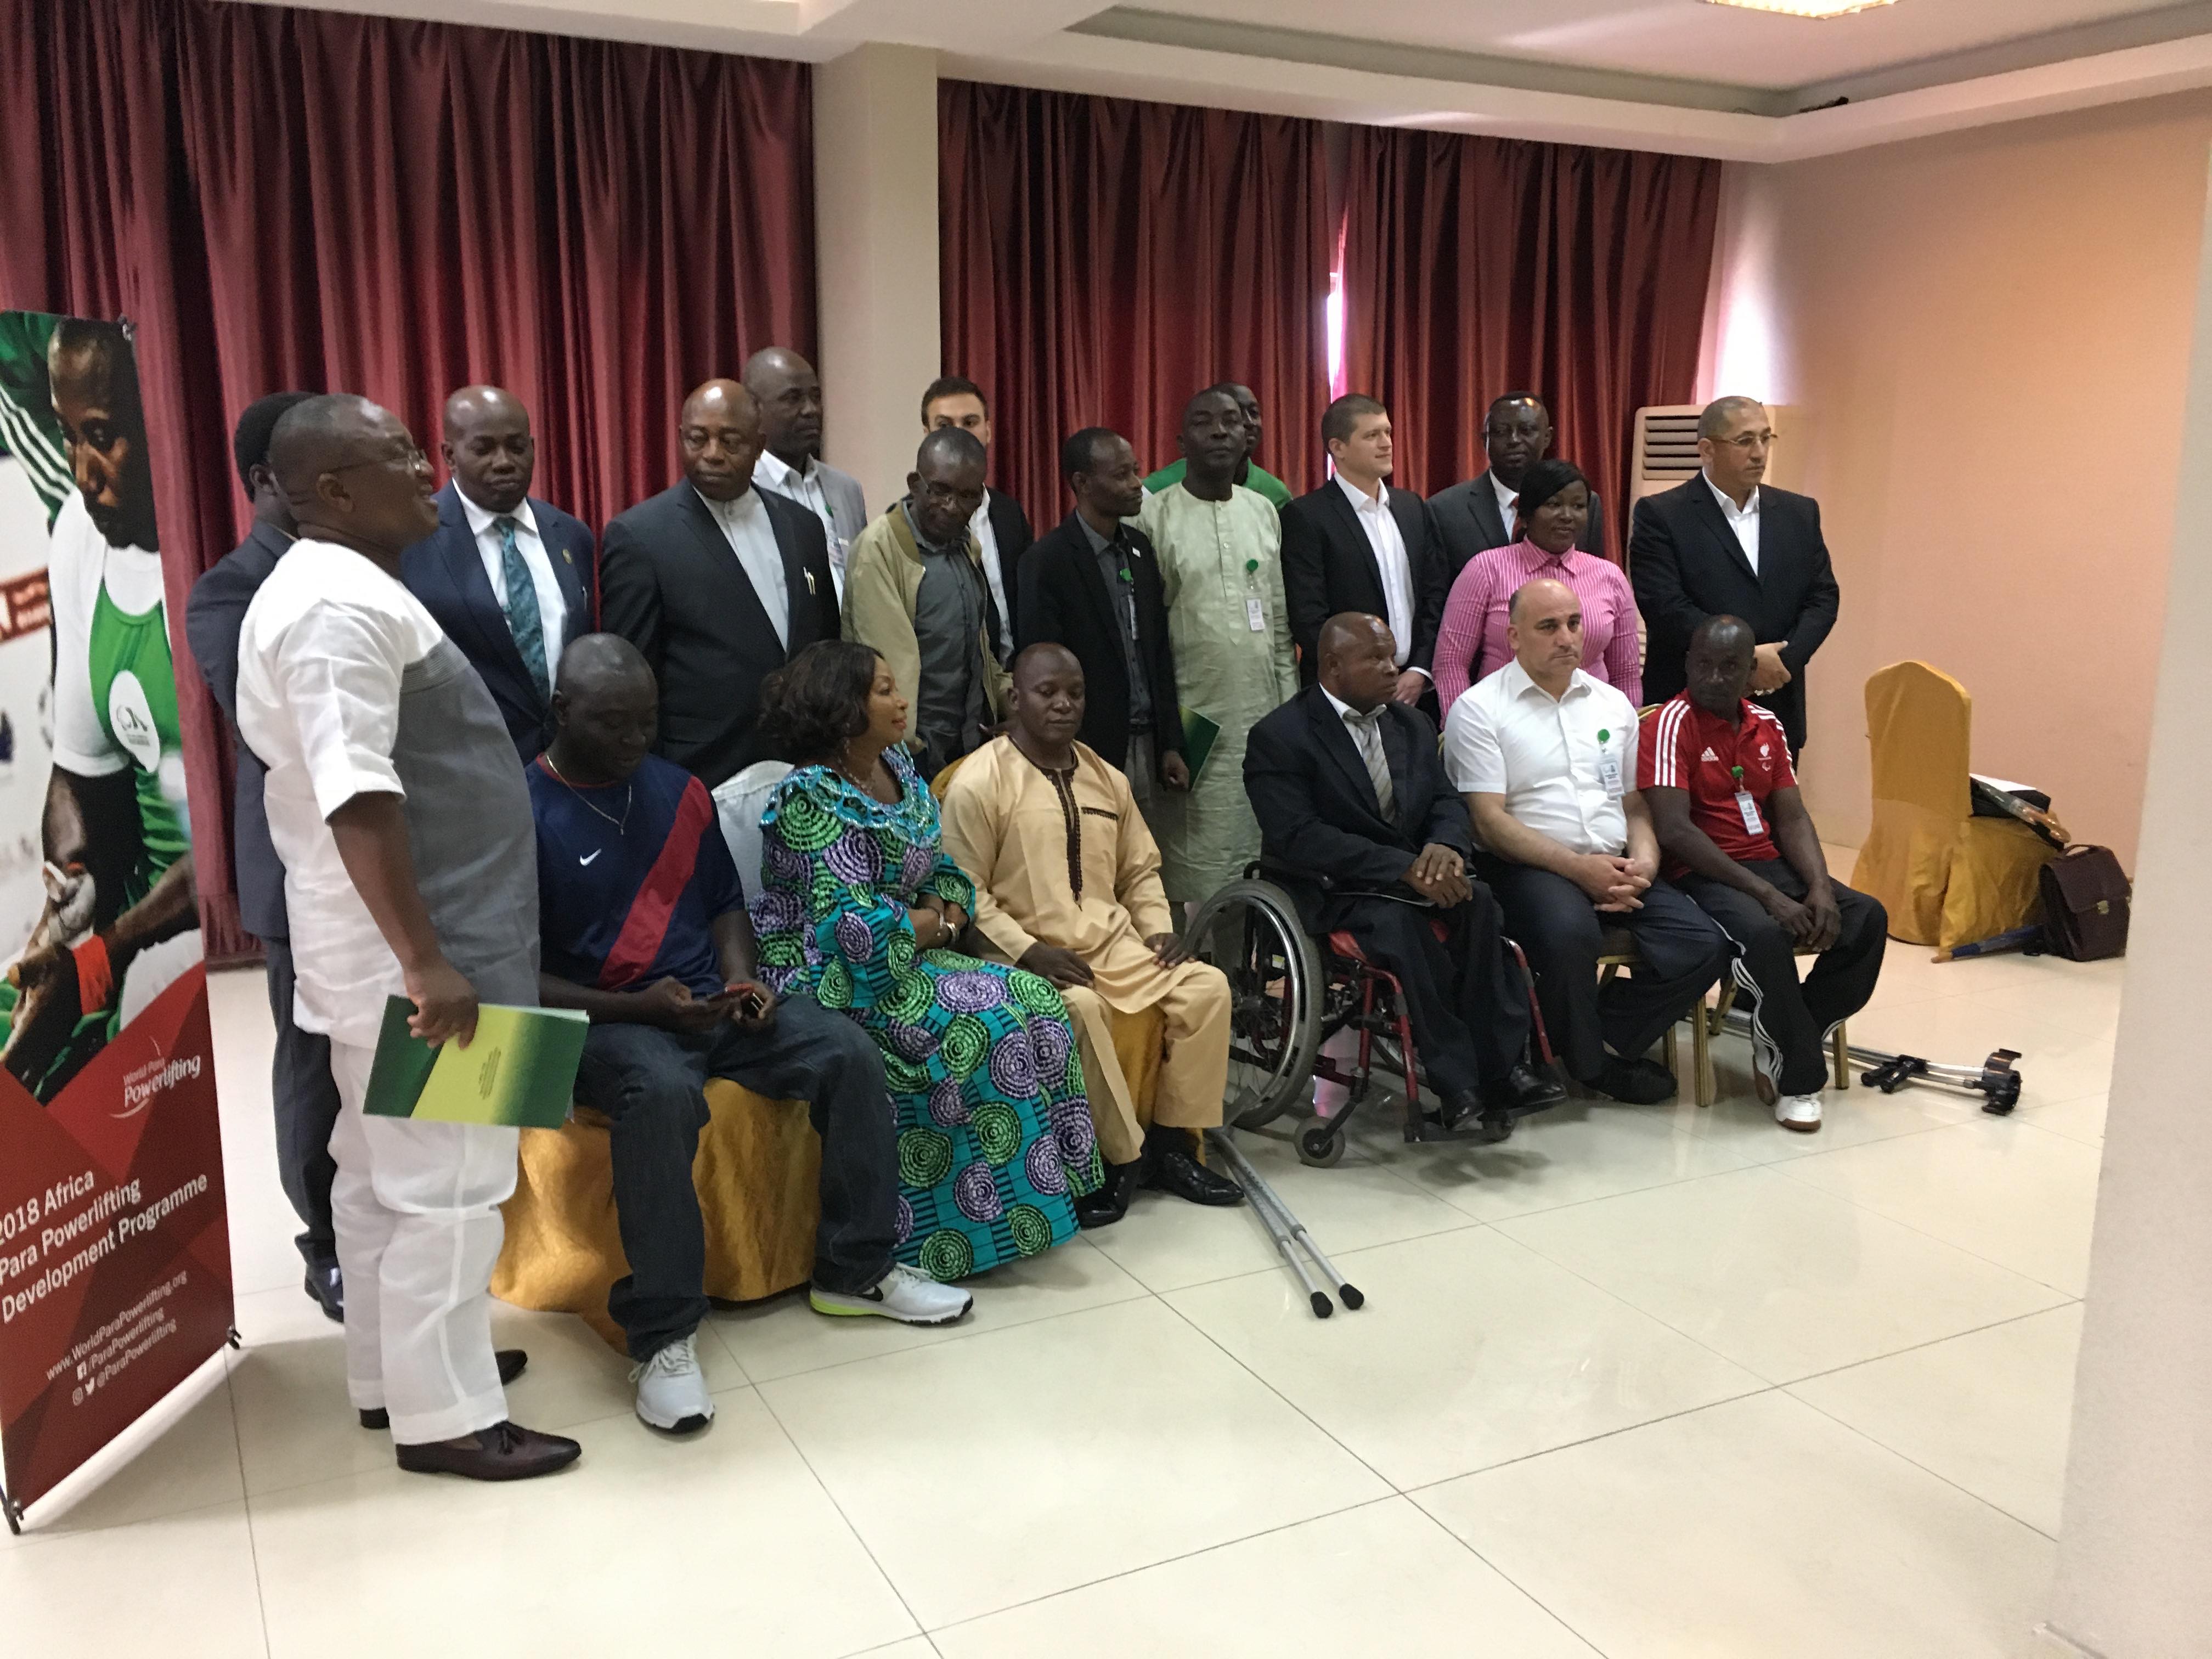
114, 1247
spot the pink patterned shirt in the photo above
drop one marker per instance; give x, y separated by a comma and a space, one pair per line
1471, 642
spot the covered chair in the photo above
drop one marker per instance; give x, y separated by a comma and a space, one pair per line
1946, 876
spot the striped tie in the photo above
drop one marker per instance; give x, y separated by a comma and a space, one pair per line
523, 617
1368, 735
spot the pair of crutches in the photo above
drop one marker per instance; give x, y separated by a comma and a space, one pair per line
1287, 1230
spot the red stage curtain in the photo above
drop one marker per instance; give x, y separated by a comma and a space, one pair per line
1102, 259
290, 199
1476, 266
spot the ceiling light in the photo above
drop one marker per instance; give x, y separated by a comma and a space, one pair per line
1805, 8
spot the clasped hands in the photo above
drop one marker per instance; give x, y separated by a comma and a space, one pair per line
1813, 924
1768, 671
1438, 873
1615, 883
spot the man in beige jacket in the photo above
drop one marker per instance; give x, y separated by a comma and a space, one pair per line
916, 591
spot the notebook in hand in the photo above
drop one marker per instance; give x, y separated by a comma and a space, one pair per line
1197, 735
519, 1070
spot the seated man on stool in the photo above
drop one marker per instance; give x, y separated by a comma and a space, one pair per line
1546, 755
645, 929
1067, 885
1715, 771
1346, 784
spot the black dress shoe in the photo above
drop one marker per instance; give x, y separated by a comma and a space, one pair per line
1497, 1124
1636, 1082
1459, 1106
1173, 1170
505, 1451
1524, 1089
1111, 1201
326, 1285
510, 1362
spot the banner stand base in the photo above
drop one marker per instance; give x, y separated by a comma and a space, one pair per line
14, 1515
235, 1339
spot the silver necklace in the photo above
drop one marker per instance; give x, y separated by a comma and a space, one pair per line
621, 824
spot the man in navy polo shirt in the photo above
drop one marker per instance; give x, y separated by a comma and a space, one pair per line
644, 925
1738, 840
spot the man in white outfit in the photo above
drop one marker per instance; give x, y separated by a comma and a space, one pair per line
404, 828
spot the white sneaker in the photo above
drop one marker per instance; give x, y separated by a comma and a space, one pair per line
671, 1390
1798, 1112
910, 1298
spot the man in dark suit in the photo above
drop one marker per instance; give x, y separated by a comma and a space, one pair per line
1355, 544
719, 584
1473, 517
508, 576
1093, 585
301, 1090
1001, 529
1725, 544
1347, 784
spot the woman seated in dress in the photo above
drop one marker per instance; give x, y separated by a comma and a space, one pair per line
1552, 511
859, 906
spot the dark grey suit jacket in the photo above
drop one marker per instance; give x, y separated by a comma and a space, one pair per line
213, 616
1468, 522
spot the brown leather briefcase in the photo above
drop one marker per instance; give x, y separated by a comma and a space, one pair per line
2084, 905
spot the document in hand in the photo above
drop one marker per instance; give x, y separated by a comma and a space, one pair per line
1197, 735
519, 1070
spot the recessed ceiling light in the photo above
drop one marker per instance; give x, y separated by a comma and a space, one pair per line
1805, 8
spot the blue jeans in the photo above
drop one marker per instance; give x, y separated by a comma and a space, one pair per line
651, 1083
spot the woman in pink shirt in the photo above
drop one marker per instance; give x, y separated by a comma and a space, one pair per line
1553, 511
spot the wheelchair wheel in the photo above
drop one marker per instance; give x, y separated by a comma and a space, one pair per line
1251, 931
1322, 1146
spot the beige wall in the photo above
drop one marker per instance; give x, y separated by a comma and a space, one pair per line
1984, 339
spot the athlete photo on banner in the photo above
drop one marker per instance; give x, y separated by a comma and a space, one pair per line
114, 1255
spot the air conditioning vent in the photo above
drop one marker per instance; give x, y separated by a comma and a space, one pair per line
1665, 448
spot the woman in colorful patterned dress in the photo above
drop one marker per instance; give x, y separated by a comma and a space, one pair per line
859, 906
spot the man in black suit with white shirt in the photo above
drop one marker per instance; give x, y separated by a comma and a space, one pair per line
1357, 544
1728, 544
508, 576
719, 584
1348, 785
1473, 517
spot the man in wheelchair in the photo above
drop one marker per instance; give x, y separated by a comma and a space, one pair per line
1351, 796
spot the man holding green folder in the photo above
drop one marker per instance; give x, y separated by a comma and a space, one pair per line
395, 803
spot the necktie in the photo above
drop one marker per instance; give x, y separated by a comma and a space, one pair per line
1368, 736
523, 617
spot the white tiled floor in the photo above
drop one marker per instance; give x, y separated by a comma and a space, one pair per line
1638, 1384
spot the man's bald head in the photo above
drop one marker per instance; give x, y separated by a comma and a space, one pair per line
351, 474
1718, 665
1544, 628
1357, 659
720, 429
1723, 630
488, 447
606, 709
1048, 703
790, 394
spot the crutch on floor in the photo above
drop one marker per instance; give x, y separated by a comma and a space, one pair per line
1287, 1230
1994, 1079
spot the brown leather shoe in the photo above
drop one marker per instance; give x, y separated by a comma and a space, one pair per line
505, 1451
512, 1362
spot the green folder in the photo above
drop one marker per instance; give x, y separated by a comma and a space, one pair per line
519, 1070
1197, 735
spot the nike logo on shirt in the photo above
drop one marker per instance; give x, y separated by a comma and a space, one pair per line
594, 856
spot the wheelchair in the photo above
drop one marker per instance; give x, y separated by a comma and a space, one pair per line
1290, 994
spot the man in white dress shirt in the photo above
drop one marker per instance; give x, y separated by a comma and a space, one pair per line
410, 870
508, 576
1001, 529
1546, 758
1358, 545
789, 392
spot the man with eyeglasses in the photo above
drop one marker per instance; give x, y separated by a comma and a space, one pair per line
915, 591
1728, 544
1483, 512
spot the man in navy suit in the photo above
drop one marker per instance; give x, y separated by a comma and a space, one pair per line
304, 1094
508, 576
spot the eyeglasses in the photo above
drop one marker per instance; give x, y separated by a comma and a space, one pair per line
1750, 440
413, 458
966, 500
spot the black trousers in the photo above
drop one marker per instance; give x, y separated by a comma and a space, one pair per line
1798, 1019
651, 1083
1682, 955
1465, 998
305, 1098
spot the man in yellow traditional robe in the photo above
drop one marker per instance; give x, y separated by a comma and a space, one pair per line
1068, 884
